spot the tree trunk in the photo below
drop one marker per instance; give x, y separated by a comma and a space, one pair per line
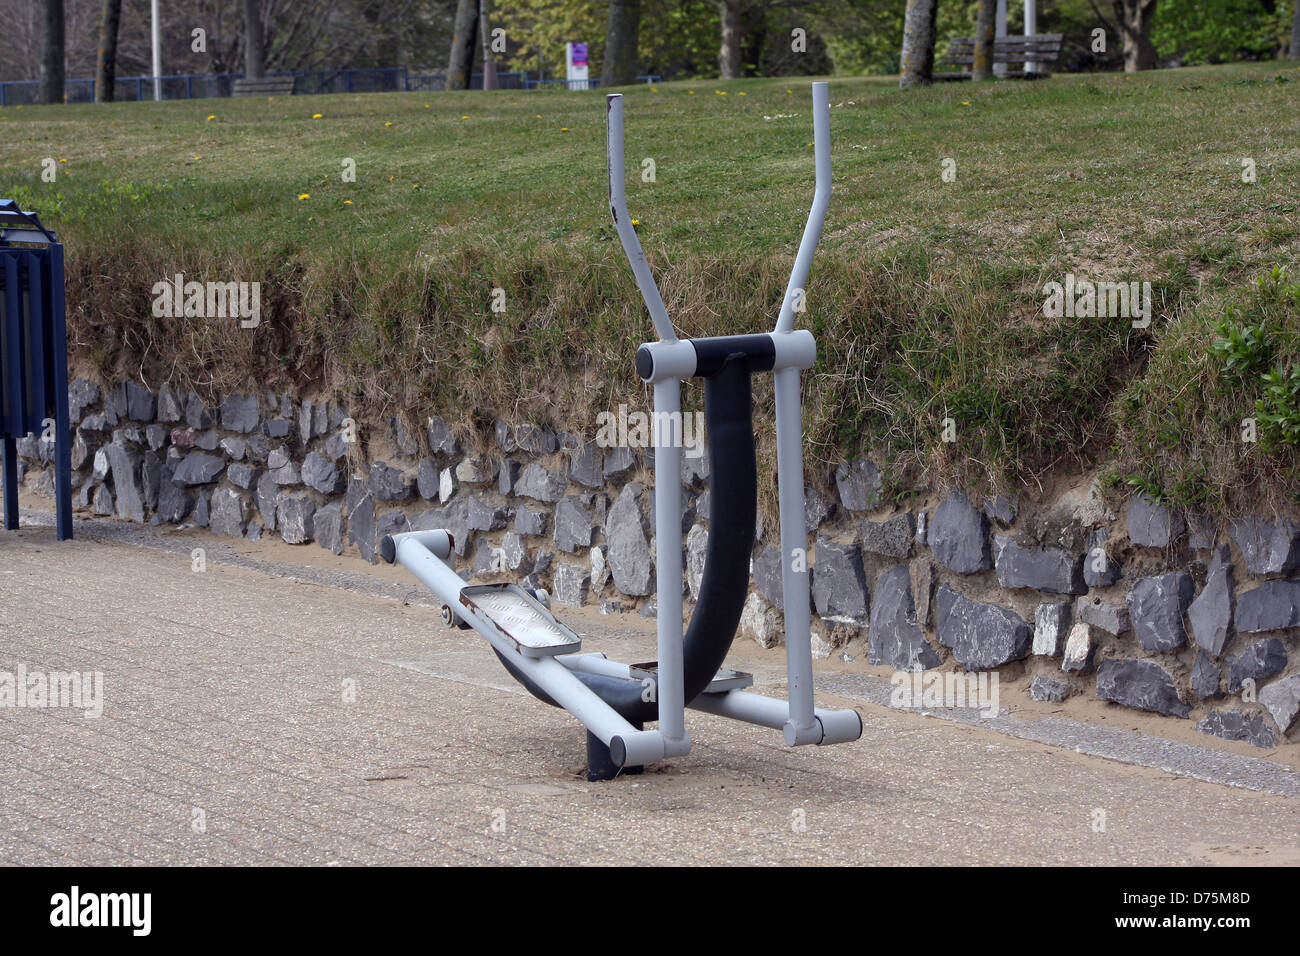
461, 59
485, 31
1134, 18
619, 68
729, 49
254, 44
916, 65
1295, 32
106, 61
52, 76
982, 66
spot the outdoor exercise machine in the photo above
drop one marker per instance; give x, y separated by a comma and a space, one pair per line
615, 701
33, 355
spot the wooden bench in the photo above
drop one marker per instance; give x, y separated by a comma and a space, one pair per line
1041, 48
267, 86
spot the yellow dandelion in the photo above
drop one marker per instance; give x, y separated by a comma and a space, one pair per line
63, 160
690, 92
388, 124
391, 178
965, 102
654, 89
636, 222
426, 106
564, 129
464, 117
721, 92
316, 116
197, 158
789, 91
304, 196
211, 117
347, 202
742, 93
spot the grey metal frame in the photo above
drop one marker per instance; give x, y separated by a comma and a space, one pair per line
424, 553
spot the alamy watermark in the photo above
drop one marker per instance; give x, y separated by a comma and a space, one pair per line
933, 690
176, 298
631, 429
1082, 298
79, 690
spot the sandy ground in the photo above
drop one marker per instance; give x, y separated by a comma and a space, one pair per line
228, 736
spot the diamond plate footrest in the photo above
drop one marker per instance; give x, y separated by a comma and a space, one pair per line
520, 618
723, 681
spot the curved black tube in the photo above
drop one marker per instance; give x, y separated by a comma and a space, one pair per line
733, 504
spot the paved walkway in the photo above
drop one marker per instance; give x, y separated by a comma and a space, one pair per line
250, 718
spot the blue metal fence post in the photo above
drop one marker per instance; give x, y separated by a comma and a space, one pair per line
34, 374
59, 394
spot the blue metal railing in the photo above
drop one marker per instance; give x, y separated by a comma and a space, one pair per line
33, 355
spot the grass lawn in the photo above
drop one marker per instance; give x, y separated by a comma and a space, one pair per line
926, 295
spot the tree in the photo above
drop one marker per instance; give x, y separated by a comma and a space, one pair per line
461, 59
106, 60
254, 42
916, 65
982, 62
489, 62
51, 88
619, 68
729, 12
1295, 32
1134, 18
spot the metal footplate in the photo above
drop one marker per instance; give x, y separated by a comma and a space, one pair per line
520, 618
723, 681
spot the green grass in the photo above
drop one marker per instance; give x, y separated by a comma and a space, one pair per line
925, 295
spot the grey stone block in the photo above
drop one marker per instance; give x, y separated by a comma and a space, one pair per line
839, 584
1051, 623
1156, 606
1210, 614
1269, 546
198, 468
239, 413
981, 636
859, 484
1141, 685
1258, 661
1046, 569
1206, 679
1272, 606
1048, 689
1152, 525
229, 514
892, 537
1281, 699
894, 639
1234, 725
389, 484
1111, 618
959, 536
629, 545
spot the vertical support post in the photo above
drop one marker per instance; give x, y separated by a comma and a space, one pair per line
59, 394
1031, 28
11, 482
155, 29
812, 231
802, 727
999, 31
668, 564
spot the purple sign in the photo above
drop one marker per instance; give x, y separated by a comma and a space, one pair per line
579, 54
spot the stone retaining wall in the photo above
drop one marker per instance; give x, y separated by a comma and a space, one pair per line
1140, 608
